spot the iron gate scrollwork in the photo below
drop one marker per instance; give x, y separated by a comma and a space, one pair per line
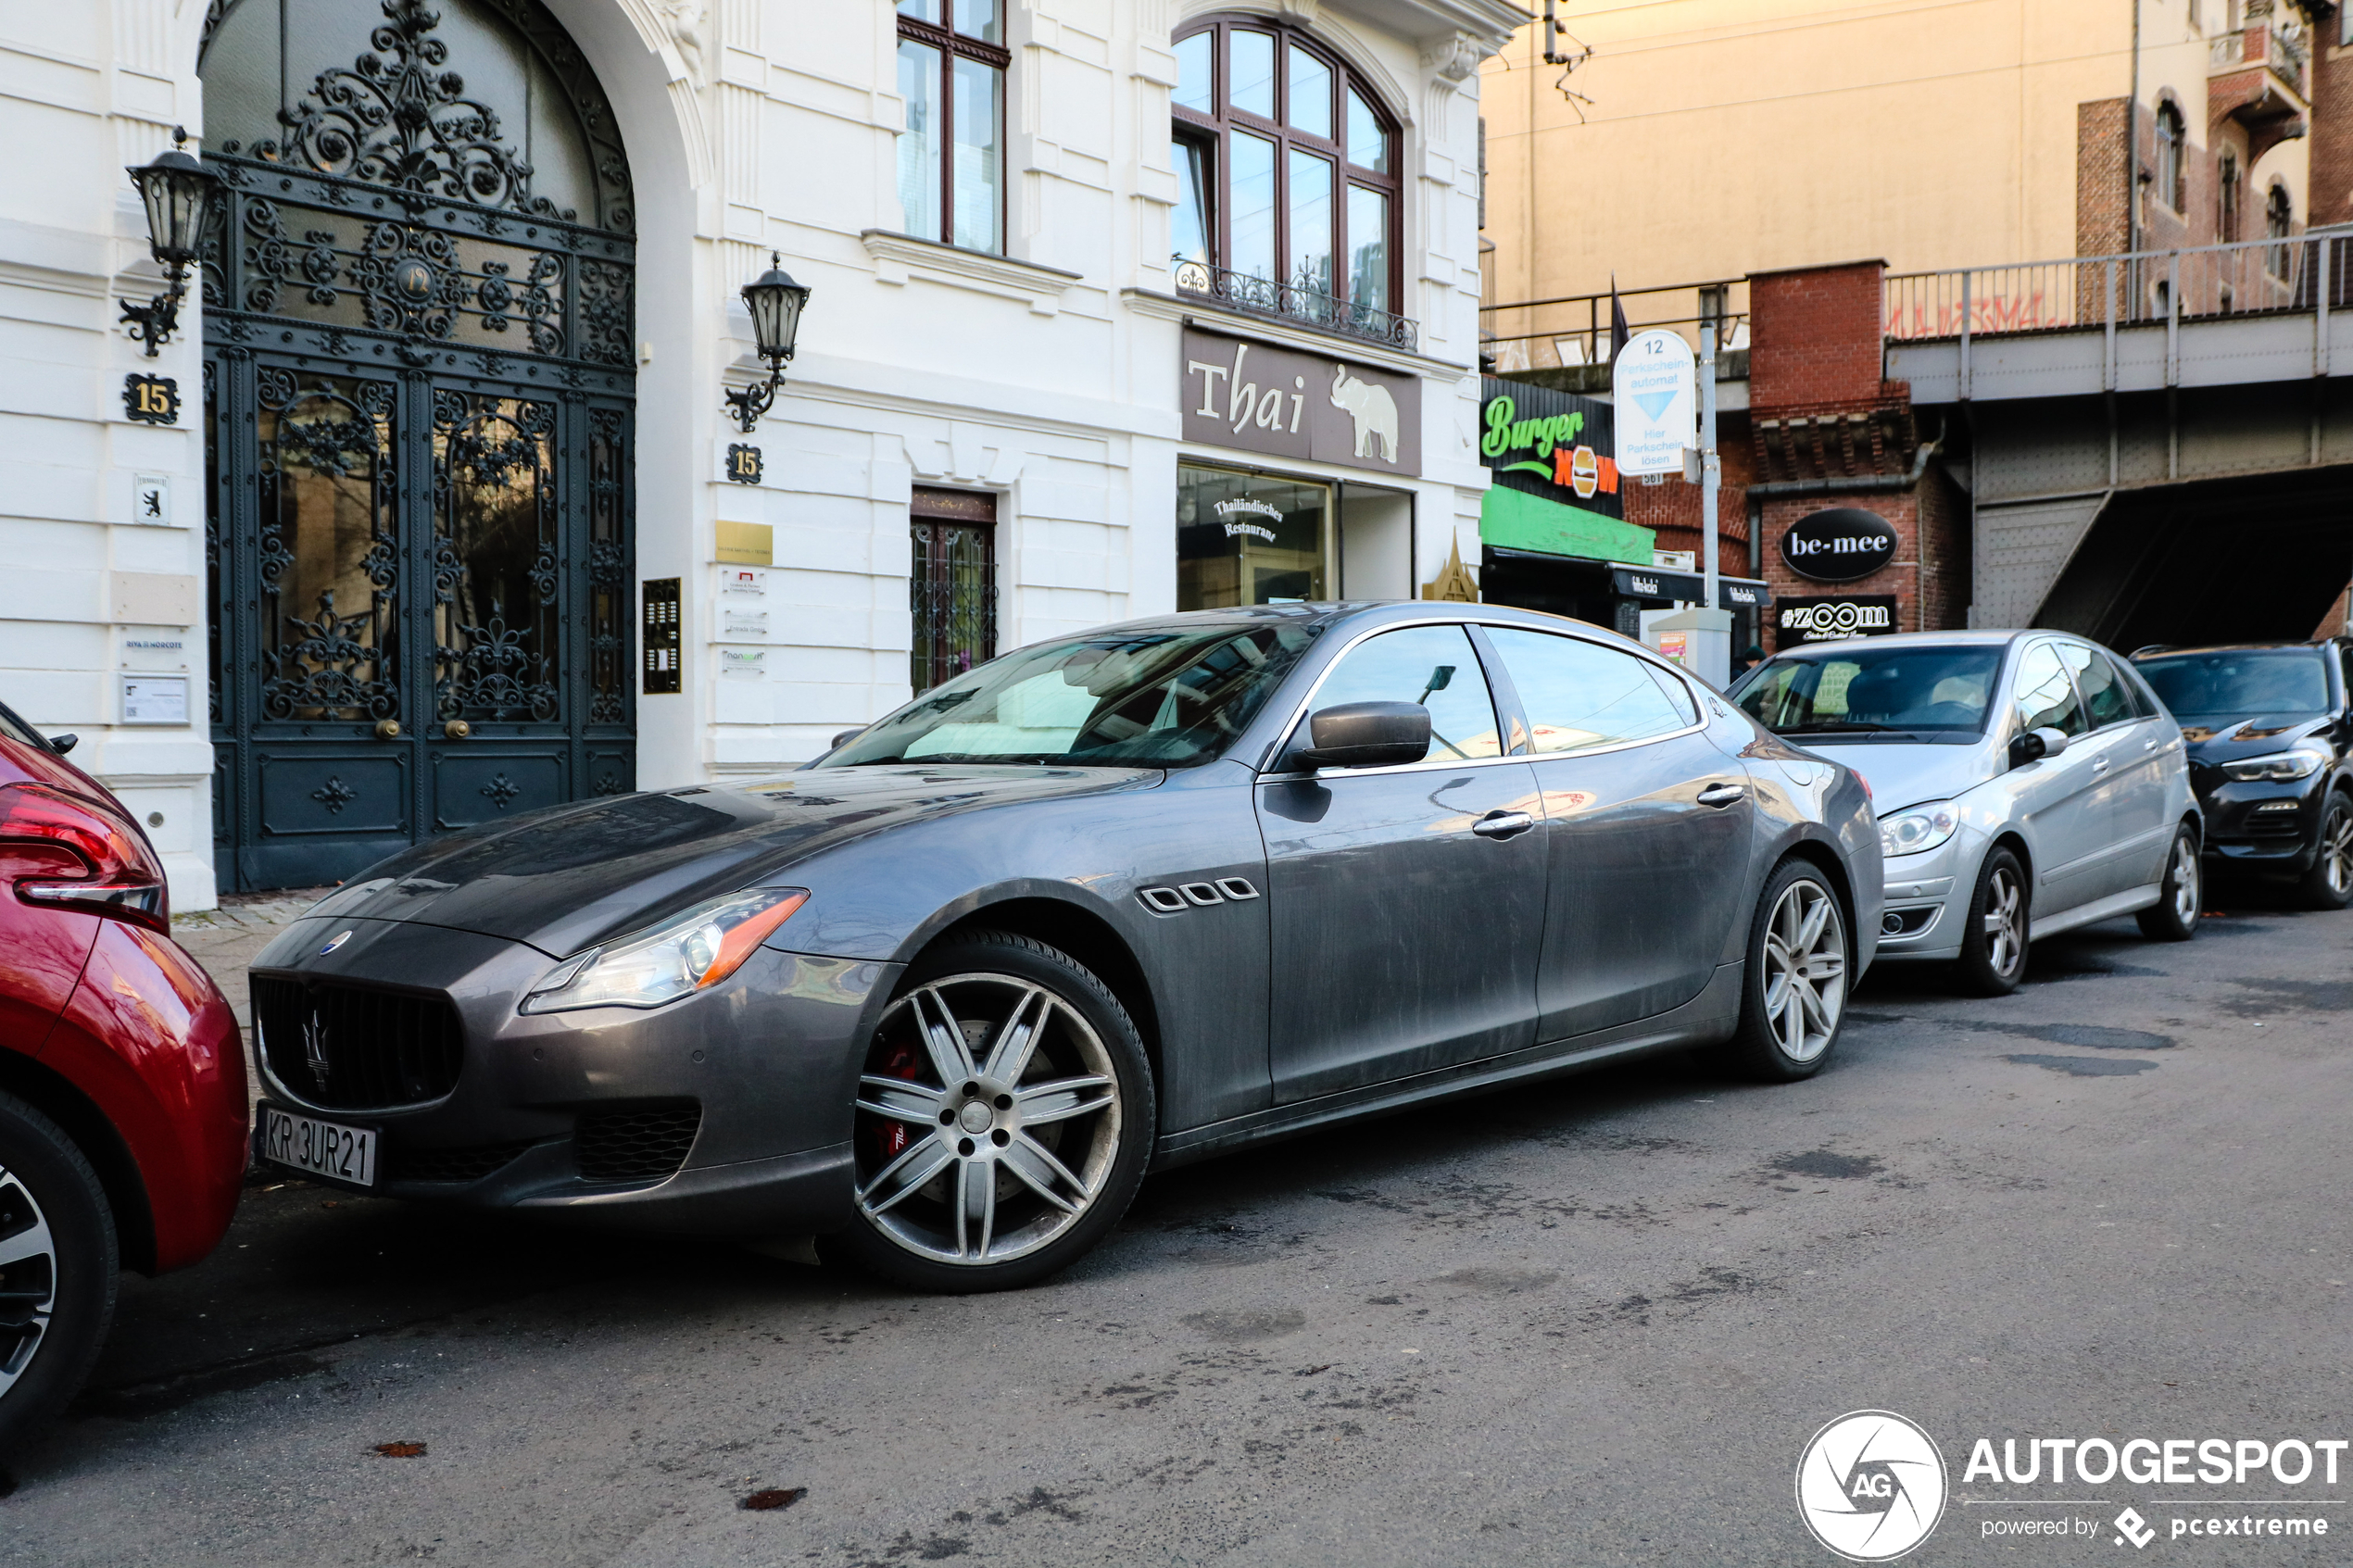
419, 390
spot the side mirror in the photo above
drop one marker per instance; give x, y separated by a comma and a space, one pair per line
2035, 745
1364, 735
63, 744
844, 738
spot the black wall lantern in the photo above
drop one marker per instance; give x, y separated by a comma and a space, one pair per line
178, 193
776, 303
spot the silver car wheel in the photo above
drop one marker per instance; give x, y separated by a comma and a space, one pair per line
2005, 922
27, 1278
1804, 970
989, 1120
2183, 875
2336, 850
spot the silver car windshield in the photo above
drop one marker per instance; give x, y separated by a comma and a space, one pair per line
1857, 689
1167, 697
2239, 683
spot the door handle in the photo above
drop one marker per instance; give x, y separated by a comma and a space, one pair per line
1721, 794
1503, 824
2150, 745
2099, 764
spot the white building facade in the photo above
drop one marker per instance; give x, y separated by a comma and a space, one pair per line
430, 513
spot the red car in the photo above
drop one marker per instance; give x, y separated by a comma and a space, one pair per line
122, 1082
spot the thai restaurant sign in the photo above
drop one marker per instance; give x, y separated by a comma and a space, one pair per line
1286, 403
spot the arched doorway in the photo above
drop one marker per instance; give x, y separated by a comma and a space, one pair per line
419, 379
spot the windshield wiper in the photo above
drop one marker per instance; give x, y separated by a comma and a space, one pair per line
1811, 727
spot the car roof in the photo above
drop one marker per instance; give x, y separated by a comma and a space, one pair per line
2168, 651
1930, 640
1334, 612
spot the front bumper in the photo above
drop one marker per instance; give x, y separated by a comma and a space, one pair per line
1927, 900
2264, 826
725, 1112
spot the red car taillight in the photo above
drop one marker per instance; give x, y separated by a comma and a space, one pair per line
66, 852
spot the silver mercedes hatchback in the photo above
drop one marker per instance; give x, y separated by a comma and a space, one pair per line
2026, 783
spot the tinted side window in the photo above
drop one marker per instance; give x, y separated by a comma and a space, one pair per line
2105, 701
1677, 692
16, 730
1579, 695
1435, 666
2045, 696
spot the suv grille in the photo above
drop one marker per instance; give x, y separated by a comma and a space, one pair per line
344, 1048
644, 1145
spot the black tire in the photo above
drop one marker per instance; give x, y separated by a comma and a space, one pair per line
2329, 884
939, 1208
1994, 937
1793, 991
55, 1302
2173, 918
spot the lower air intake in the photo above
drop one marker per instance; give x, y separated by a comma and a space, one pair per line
646, 1144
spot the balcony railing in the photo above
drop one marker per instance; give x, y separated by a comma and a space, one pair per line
1295, 303
2202, 283
1574, 330
2262, 43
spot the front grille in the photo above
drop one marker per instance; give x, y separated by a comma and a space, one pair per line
641, 1145
342, 1047
405, 1164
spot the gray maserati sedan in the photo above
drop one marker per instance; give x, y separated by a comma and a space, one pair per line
1109, 902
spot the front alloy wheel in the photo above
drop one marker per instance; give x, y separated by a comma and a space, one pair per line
2329, 885
1994, 937
1003, 1118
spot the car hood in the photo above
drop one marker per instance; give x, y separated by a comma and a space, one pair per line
567, 877
2227, 740
1906, 775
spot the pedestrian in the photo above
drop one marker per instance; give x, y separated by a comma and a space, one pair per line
1747, 661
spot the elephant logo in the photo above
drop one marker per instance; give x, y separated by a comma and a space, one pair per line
1372, 407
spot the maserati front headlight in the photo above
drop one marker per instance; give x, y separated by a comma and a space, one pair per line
1917, 829
2277, 767
688, 952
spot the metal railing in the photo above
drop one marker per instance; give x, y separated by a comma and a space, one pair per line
1294, 302
2251, 277
1574, 330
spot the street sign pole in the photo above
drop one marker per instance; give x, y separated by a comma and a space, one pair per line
1715, 648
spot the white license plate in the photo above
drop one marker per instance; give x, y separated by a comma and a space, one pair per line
318, 1148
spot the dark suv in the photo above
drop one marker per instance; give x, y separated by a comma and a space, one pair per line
2271, 733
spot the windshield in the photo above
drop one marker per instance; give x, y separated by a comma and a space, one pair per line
1167, 697
2239, 683
1860, 689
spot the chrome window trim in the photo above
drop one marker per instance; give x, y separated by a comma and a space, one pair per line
1290, 725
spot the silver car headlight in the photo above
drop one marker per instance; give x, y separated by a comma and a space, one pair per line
1919, 829
2279, 766
687, 953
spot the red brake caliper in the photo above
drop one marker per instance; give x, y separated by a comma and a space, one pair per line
892, 1137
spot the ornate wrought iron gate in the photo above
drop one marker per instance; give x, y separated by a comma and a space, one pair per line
418, 396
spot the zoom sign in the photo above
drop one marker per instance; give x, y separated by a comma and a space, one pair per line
1838, 545
1797, 621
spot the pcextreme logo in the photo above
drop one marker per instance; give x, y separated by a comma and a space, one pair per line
1871, 1485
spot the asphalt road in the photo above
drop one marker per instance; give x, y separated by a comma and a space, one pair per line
1591, 1323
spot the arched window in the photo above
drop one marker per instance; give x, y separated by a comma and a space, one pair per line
2173, 157
2279, 221
1286, 174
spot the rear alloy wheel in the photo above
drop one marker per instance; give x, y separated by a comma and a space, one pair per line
2329, 885
1994, 937
2173, 918
58, 1265
1799, 965
1004, 1117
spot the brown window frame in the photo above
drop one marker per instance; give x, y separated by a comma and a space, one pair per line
952, 43
933, 515
1218, 126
